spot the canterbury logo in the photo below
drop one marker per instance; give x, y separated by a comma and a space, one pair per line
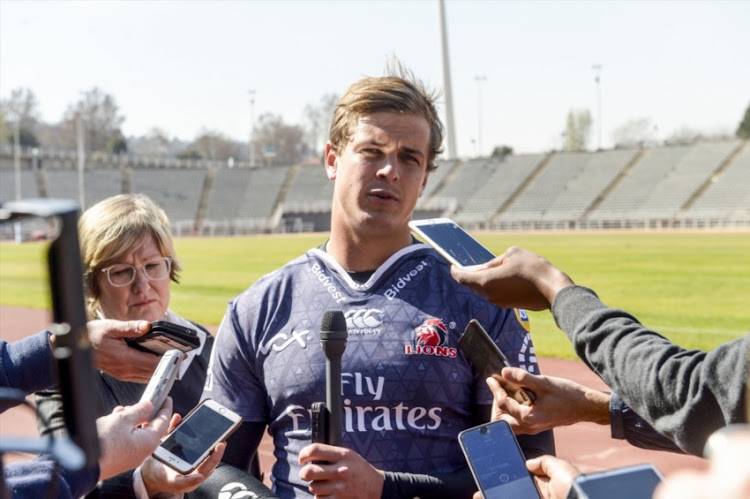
360, 319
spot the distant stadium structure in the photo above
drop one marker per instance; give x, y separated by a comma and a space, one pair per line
706, 184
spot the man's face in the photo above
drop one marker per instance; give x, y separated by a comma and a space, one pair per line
380, 174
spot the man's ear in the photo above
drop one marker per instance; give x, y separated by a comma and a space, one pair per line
424, 183
331, 161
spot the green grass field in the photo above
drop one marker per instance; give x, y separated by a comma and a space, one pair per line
692, 287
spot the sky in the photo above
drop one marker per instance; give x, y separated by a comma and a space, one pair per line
517, 68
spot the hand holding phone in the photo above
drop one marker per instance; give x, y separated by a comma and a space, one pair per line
497, 462
165, 335
196, 435
485, 355
162, 380
450, 240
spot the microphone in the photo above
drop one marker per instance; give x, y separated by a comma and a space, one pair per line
333, 342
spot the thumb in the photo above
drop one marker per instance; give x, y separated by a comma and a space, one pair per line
521, 377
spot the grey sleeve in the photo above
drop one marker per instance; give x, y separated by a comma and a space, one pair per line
684, 394
627, 425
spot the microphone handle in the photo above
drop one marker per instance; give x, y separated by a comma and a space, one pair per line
333, 400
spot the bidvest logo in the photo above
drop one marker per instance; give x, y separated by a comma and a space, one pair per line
431, 338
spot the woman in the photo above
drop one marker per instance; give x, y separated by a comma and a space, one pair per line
129, 263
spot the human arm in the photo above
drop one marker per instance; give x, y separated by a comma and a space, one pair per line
516, 279
27, 365
684, 394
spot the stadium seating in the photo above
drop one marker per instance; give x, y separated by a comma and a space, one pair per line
700, 185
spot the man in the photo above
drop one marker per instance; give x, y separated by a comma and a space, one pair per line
407, 390
686, 395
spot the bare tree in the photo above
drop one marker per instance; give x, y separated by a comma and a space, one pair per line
318, 120
22, 110
101, 120
577, 130
215, 145
635, 133
279, 143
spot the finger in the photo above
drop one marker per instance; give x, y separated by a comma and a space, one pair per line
319, 452
176, 418
207, 467
535, 466
121, 329
521, 377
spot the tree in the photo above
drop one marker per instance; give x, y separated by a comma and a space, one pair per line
286, 141
502, 151
577, 130
743, 129
20, 109
634, 133
101, 120
117, 144
318, 119
215, 145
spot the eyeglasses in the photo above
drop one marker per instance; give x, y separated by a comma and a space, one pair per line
122, 274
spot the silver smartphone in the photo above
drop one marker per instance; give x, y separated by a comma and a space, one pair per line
451, 241
196, 435
497, 462
162, 380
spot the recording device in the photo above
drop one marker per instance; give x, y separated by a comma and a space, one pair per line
72, 350
333, 342
497, 462
319, 423
165, 335
193, 439
632, 482
487, 357
450, 240
162, 380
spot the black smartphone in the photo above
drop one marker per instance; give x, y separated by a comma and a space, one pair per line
196, 435
497, 462
163, 336
631, 482
487, 357
451, 241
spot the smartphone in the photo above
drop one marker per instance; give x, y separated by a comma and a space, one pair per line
451, 241
497, 462
165, 335
162, 380
193, 439
487, 357
632, 482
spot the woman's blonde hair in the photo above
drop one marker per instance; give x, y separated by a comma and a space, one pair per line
113, 228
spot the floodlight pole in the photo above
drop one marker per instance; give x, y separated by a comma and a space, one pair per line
17, 169
450, 129
479, 79
598, 79
81, 161
252, 128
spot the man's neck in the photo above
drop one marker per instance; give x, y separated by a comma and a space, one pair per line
357, 254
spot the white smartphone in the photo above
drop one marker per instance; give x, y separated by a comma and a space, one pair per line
497, 462
451, 241
196, 435
631, 482
162, 380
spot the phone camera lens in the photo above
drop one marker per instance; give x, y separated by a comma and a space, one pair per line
483, 430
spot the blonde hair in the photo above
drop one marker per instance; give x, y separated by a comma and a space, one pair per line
113, 228
398, 92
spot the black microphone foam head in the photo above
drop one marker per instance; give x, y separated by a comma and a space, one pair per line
333, 320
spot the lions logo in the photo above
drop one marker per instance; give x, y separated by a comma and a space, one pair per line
432, 338
432, 333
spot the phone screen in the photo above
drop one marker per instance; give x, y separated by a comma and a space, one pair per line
637, 482
460, 246
197, 433
497, 462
